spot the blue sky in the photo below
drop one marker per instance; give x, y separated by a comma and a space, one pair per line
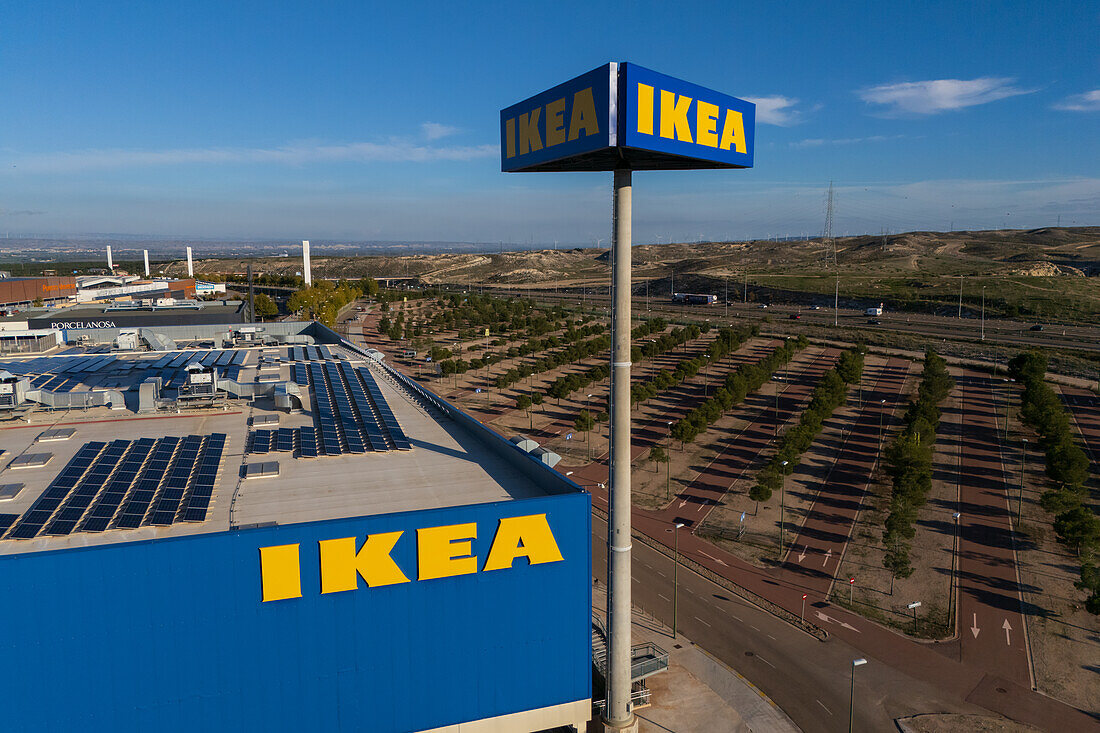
379, 121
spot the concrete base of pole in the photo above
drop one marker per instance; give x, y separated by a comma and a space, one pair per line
631, 727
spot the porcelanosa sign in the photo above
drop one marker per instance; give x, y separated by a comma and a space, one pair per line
65, 325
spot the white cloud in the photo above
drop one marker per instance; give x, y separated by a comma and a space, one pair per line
1087, 102
360, 152
817, 142
434, 130
776, 110
940, 95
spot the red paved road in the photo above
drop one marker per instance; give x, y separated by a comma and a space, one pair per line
816, 552
991, 624
1084, 407
740, 451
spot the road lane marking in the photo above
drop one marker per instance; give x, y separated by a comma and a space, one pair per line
753, 628
772, 637
830, 712
702, 621
665, 597
765, 661
661, 574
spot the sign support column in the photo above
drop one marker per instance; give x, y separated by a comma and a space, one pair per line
619, 714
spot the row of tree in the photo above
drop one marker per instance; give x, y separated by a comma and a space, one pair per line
1075, 522
566, 384
728, 340
323, 301
908, 462
733, 390
829, 394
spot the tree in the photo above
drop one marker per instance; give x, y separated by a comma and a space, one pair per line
265, 306
584, 424
523, 402
658, 455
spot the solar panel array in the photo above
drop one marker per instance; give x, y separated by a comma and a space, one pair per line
310, 353
350, 413
125, 484
105, 371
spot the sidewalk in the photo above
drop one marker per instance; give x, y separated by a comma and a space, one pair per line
697, 692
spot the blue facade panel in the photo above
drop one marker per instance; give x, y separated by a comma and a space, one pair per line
663, 114
566, 121
174, 634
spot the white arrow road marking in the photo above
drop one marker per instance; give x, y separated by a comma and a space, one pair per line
830, 619
974, 627
1008, 631
712, 557
802, 555
828, 554
683, 504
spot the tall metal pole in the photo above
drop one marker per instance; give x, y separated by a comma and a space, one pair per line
619, 715
251, 297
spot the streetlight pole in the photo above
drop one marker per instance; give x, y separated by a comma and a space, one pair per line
954, 561
852, 697
881, 412
675, 567
1020, 494
983, 313
782, 496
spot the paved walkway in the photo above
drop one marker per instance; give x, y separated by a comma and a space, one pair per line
697, 692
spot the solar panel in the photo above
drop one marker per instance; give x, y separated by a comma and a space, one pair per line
6, 521
179, 360
41, 510
209, 358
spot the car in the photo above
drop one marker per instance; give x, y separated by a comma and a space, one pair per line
815, 307
762, 306
874, 321
794, 316
1037, 327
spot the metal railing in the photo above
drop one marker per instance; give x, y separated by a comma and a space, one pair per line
647, 660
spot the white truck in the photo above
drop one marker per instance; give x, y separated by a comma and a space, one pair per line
874, 310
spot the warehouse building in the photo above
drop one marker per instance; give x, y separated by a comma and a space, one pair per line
276, 532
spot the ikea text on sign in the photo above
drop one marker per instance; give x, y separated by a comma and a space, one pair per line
441, 552
622, 115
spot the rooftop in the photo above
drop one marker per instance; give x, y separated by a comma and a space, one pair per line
347, 437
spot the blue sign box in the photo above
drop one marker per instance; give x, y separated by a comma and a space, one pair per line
622, 115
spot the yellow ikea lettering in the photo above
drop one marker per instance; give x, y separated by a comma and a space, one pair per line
674, 116
443, 552
706, 123
510, 137
280, 573
733, 132
342, 565
528, 537
645, 109
584, 115
529, 139
555, 122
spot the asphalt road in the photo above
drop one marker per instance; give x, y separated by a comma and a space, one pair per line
816, 552
996, 331
991, 623
809, 679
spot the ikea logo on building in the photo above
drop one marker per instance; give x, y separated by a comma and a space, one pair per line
350, 563
622, 115
561, 123
673, 116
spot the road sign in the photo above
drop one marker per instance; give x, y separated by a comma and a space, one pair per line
624, 115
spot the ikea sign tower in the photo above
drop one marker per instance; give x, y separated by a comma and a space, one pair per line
622, 117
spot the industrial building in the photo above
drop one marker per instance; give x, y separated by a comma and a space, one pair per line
129, 314
260, 527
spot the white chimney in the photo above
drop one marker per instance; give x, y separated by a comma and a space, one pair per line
190, 266
146, 262
305, 262
110, 261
